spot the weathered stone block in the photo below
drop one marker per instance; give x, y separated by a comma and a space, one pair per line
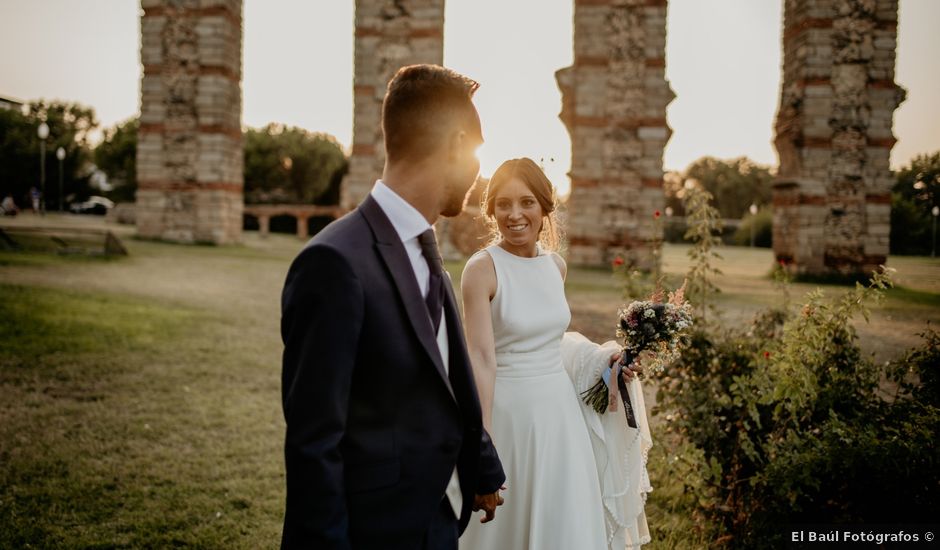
825, 133
189, 158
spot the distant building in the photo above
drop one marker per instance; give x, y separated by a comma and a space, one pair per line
10, 103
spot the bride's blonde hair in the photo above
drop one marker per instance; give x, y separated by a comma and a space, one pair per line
529, 173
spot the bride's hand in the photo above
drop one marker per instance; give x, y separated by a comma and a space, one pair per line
613, 359
631, 372
628, 372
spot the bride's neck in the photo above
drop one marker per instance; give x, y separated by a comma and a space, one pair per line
528, 250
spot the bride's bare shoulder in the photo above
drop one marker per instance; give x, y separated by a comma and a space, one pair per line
479, 271
479, 264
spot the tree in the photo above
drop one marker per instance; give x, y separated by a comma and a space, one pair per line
735, 184
916, 192
116, 156
672, 187
921, 180
290, 164
70, 125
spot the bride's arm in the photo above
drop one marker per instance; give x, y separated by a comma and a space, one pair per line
478, 286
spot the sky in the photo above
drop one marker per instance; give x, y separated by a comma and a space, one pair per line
723, 61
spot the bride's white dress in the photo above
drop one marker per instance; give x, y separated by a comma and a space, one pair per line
553, 496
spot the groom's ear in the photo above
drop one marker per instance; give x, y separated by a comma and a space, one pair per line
456, 143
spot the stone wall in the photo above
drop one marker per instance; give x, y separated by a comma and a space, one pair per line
189, 153
832, 198
614, 106
389, 35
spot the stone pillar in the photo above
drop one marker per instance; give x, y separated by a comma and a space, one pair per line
389, 34
189, 152
614, 102
832, 197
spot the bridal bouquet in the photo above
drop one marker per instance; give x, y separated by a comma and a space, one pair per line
653, 333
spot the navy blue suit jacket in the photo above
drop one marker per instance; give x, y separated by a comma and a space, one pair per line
375, 425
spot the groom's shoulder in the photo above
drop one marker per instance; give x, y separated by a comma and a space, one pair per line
349, 231
344, 238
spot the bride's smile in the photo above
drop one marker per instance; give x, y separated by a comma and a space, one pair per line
518, 217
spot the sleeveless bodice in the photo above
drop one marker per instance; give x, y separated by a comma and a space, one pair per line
529, 312
553, 499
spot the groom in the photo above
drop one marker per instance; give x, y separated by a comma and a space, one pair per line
385, 445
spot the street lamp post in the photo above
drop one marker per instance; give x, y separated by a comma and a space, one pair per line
753, 210
669, 213
60, 154
43, 133
933, 248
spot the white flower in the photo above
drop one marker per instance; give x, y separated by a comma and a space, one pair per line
649, 313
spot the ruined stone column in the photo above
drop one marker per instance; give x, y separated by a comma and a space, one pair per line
389, 35
832, 197
614, 102
189, 150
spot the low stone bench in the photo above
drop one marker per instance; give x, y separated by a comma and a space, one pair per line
300, 212
62, 240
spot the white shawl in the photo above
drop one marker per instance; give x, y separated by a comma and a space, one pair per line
620, 452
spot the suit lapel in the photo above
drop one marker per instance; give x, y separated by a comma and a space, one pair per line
396, 260
460, 370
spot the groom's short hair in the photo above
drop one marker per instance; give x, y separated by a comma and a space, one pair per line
422, 105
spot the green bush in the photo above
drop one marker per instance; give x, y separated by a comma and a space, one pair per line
915, 193
792, 427
784, 421
763, 225
674, 230
910, 226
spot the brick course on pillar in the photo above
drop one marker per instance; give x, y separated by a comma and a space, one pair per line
614, 102
389, 35
832, 198
189, 153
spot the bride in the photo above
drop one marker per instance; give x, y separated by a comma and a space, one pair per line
575, 479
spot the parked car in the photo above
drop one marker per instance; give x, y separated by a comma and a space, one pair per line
94, 205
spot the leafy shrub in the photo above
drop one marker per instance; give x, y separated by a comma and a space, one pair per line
911, 226
793, 429
788, 422
916, 191
763, 227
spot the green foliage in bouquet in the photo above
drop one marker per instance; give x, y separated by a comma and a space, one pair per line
652, 333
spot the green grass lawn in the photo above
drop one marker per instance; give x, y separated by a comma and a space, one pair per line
140, 396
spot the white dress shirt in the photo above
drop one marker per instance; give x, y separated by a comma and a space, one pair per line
409, 224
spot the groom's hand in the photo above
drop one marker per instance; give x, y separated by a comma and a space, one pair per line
488, 504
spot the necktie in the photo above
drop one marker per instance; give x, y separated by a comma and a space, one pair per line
435, 297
